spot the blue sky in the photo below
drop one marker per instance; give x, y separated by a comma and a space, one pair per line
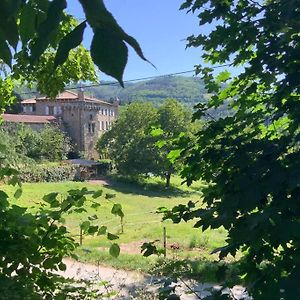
161, 30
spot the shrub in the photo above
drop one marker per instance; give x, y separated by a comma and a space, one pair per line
49, 173
105, 166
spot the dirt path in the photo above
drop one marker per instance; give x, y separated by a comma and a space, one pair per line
134, 285
99, 182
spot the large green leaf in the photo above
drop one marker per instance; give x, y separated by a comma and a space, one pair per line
5, 53
27, 23
114, 250
109, 53
47, 27
69, 42
108, 36
8, 21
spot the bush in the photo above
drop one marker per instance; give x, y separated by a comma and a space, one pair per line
49, 173
105, 166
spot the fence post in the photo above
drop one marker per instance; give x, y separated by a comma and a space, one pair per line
80, 237
165, 242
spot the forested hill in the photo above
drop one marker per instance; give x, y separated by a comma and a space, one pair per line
187, 90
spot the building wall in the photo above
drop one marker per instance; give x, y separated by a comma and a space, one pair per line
84, 121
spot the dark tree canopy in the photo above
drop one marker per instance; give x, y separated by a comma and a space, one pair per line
251, 159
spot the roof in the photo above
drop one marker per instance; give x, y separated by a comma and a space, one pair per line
65, 96
28, 118
83, 162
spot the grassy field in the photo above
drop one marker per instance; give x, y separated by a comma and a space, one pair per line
141, 223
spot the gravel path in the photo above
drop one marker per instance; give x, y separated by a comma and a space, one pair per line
134, 285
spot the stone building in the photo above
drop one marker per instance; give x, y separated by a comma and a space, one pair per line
83, 118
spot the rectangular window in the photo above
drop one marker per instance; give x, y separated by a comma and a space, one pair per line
51, 110
103, 125
89, 128
93, 127
106, 125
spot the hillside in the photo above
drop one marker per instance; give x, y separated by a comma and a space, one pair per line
188, 90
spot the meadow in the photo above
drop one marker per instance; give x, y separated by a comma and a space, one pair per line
141, 222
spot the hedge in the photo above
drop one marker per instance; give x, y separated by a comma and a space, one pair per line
49, 173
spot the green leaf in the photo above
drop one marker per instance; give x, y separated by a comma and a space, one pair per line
102, 230
111, 236
157, 132
62, 267
18, 193
92, 229
109, 53
223, 76
85, 225
47, 27
93, 217
27, 23
117, 210
69, 42
50, 197
160, 144
97, 194
114, 250
5, 53
174, 155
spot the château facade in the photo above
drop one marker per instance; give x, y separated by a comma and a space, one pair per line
83, 118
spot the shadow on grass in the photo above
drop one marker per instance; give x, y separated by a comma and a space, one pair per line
140, 187
200, 270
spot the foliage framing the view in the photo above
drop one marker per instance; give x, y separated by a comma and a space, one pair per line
40, 43
251, 159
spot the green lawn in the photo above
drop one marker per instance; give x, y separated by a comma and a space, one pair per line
141, 223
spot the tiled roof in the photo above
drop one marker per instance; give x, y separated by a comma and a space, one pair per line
28, 118
29, 101
66, 95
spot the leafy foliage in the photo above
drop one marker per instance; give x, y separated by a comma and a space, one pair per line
22, 144
251, 159
48, 173
41, 43
33, 245
136, 149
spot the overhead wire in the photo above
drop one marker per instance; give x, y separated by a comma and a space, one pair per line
116, 82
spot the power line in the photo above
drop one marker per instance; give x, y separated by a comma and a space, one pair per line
116, 82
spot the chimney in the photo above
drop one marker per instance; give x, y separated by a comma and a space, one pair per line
81, 94
116, 103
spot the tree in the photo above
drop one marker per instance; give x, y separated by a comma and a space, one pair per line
40, 45
143, 136
251, 158
24, 144
129, 143
55, 145
174, 120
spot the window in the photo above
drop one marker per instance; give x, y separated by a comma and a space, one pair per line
50, 110
91, 128
91, 117
106, 125
103, 125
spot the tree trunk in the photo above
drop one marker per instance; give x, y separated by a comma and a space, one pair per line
168, 179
